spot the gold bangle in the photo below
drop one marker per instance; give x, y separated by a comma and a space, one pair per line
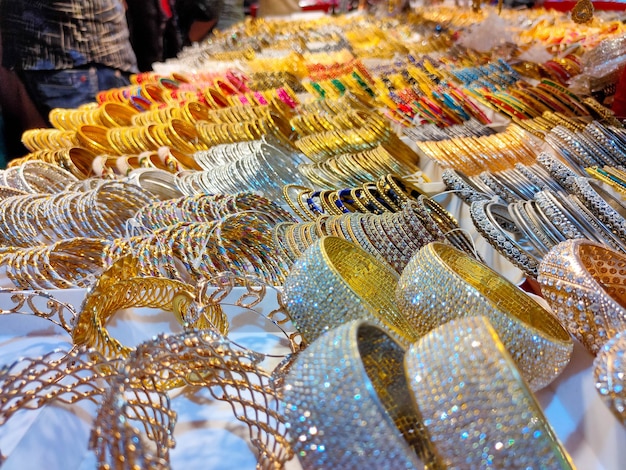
442, 283
585, 284
117, 114
94, 139
120, 287
335, 281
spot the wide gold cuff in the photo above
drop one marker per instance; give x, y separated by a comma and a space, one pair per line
442, 283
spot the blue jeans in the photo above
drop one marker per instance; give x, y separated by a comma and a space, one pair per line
70, 88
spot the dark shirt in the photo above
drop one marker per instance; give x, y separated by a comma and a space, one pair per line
226, 12
65, 34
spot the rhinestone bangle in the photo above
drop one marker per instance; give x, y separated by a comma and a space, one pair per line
585, 284
478, 411
442, 283
609, 373
348, 404
604, 205
334, 282
489, 227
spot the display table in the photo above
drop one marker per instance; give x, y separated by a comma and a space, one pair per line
207, 434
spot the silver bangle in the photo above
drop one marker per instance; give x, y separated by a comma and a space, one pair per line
477, 410
491, 230
348, 403
609, 371
606, 207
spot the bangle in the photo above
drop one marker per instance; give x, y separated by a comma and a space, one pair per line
583, 282
119, 288
477, 409
462, 286
335, 281
491, 219
350, 382
608, 372
604, 205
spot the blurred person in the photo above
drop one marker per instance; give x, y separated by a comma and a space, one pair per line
619, 100
18, 113
197, 18
147, 22
65, 51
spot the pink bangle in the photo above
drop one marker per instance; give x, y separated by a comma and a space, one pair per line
260, 98
285, 98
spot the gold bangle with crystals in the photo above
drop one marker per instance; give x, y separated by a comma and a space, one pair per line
478, 410
348, 403
585, 284
335, 281
442, 283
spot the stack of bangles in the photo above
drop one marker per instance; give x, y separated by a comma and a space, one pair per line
323, 145
36, 177
221, 133
261, 166
357, 380
240, 242
206, 208
361, 167
525, 230
392, 237
473, 155
33, 219
431, 132
222, 154
73, 262
388, 194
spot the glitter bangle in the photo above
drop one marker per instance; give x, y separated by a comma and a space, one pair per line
442, 283
476, 407
350, 383
335, 281
583, 281
608, 371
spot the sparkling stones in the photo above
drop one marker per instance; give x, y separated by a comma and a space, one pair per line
585, 293
381, 429
362, 287
610, 375
501, 425
441, 283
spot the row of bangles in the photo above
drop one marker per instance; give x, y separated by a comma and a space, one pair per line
396, 361
404, 350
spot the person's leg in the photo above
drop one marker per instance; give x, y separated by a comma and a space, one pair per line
3, 148
19, 113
